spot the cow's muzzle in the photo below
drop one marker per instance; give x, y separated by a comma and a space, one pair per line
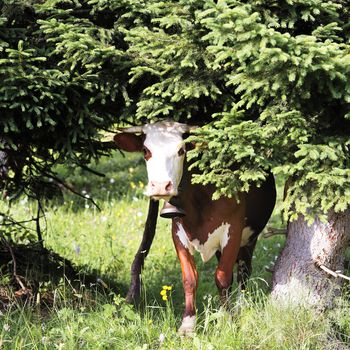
161, 190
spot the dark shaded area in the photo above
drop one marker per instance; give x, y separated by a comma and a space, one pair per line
31, 275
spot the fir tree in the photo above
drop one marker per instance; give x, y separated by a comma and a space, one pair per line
267, 81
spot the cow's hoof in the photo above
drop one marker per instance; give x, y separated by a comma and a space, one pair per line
185, 332
188, 325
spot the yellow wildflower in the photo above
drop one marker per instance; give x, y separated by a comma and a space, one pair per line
164, 292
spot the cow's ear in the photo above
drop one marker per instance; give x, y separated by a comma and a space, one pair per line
190, 146
129, 142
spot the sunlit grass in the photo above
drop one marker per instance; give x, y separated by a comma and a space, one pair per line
115, 325
102, 243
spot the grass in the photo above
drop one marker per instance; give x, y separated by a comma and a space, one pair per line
104, 242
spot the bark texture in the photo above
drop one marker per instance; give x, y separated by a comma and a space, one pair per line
298, 278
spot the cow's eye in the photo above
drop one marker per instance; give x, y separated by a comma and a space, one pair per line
146, 152
181, 152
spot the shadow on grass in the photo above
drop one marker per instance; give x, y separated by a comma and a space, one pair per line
30, 275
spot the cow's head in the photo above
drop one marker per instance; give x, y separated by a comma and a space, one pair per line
164, 151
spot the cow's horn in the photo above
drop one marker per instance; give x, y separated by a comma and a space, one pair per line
185, 128
132, 130
190, 128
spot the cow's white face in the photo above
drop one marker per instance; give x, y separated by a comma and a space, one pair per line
164, 151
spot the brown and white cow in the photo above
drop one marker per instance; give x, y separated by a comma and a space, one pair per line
225, 227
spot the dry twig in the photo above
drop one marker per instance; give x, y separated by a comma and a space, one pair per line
274, 231
18, 280
335, 274
70, 188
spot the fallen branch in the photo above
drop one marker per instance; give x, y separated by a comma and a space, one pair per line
335, 274
274, 231
18, 280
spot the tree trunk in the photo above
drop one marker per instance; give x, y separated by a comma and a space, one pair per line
298, 277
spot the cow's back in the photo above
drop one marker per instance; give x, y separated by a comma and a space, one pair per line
204, 215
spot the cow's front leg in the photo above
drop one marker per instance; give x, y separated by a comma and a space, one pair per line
137, 265
189, 276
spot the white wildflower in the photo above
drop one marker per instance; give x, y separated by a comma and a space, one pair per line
161, 338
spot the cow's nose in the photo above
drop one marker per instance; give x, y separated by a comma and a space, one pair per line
163, 188
169, 186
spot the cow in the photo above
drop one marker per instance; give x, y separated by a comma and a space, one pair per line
227, 227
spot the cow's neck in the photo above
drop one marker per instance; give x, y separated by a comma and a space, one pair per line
195, 199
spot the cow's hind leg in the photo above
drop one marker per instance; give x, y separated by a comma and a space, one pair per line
218, 257
244, 264
224, 270
244, 268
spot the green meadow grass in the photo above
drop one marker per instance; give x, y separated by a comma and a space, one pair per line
104, 242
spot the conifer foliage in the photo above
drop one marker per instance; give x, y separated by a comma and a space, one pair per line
62, 80
268, 81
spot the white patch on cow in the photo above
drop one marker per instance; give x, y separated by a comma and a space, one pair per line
164, 140
246, 233
188, 324
224, 239
181, 233
217, 240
